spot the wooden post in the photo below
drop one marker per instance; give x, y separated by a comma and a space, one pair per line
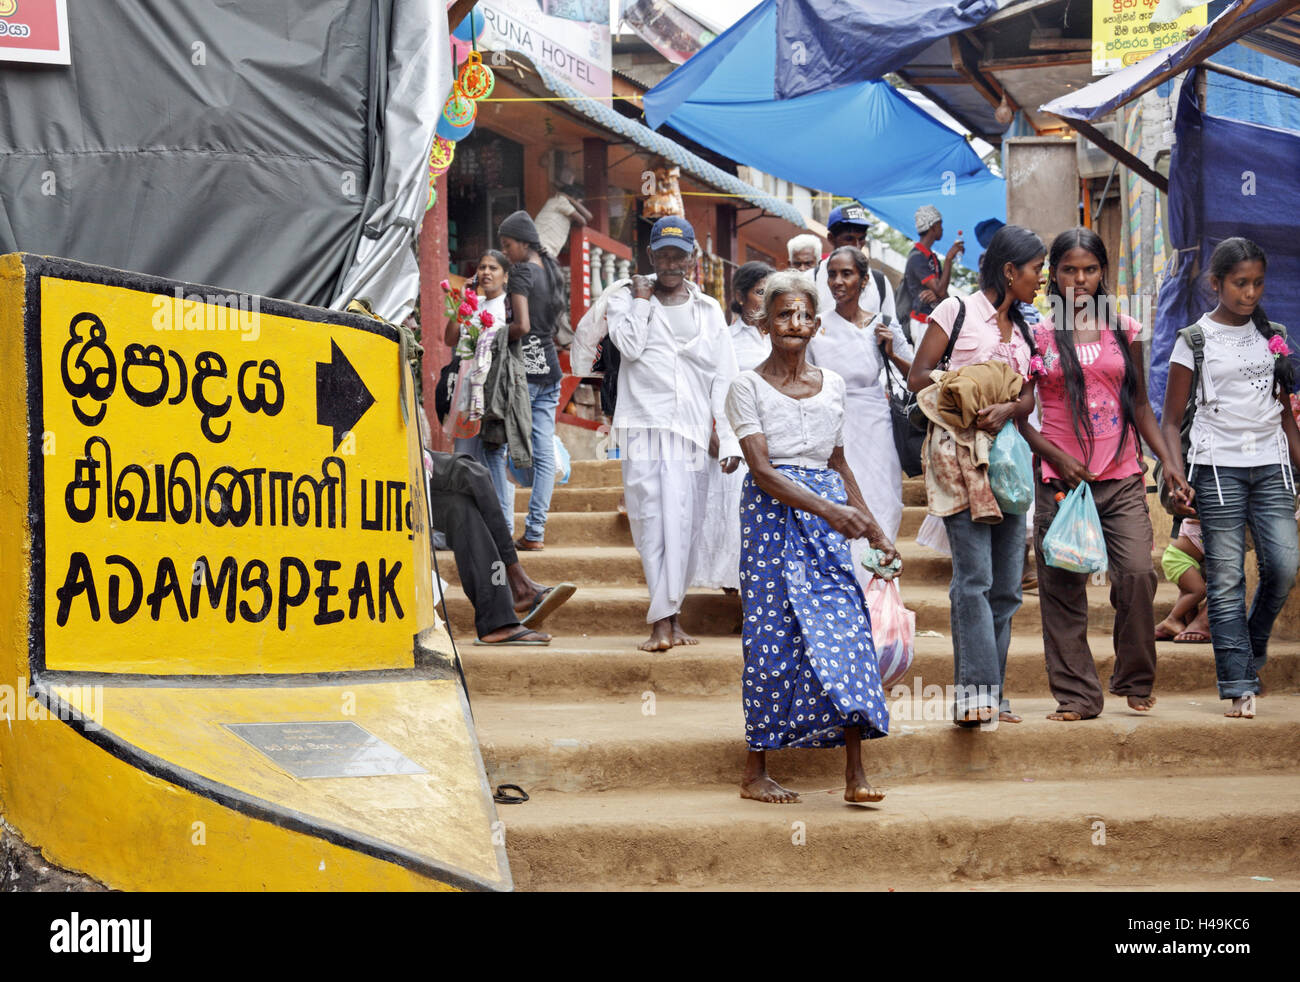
595, 179
435, 263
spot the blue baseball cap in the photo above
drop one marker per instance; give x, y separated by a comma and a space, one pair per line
675, 231
848, 215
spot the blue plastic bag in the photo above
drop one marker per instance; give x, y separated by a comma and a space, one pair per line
1011, 471
1074, 540
563, 466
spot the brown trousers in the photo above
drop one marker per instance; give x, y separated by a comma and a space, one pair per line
1063, 599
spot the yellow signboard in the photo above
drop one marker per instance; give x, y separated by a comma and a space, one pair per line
225, 484
1122, 33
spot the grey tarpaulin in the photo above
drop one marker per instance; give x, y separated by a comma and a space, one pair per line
235, 142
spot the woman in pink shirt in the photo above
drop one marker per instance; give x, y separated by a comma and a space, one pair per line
1095, 406
987, 558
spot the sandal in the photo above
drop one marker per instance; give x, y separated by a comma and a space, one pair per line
519, 637
546, 602
1192, 637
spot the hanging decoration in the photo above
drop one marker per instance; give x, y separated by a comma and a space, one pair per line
459, 109
441, 156
476, 80
471, 28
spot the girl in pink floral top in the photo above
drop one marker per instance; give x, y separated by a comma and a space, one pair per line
1094, 408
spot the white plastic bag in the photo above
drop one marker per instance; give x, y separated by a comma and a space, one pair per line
893, 630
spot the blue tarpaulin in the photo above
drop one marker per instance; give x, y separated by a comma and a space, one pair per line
861, 140
1227, 177
823, 44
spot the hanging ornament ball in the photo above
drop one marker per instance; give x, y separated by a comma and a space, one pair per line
471, 28
441, 156
459, 109
476, 80
453, 133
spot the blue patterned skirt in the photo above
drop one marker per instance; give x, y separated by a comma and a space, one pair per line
810, 665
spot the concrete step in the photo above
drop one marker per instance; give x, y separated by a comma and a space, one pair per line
570, 499
578, 528
579, 669
595, 474
1200, 829
574, 525
609, 474
620, 565
621, 610
1111, 881
614, 745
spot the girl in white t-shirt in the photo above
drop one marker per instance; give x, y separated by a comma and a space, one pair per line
1244, 448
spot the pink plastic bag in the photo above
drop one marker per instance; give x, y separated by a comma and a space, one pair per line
893, 628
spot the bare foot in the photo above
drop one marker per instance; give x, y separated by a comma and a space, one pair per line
1065, 716
1168, 629
1243, 707
859, 790
763, 788
680, 636
1141, 703
661, 636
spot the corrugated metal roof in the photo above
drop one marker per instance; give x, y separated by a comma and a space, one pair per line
692, 164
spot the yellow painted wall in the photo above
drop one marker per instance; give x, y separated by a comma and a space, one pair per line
87, 809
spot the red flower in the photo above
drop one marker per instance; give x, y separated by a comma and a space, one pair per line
471, 298
466, 311
445, 286
486, 318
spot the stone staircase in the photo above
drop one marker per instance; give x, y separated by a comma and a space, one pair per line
632, 759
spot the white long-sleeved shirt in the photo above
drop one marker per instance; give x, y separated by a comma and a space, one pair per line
667, 385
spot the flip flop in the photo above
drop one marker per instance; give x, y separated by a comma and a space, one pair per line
546, 602
515, 638
1192, 637
1167, 636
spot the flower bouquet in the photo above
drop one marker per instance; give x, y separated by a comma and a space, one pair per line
478, 330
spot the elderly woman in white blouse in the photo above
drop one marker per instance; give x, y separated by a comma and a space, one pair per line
810, 677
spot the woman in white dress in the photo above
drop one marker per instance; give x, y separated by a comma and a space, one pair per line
718, 564
850, 342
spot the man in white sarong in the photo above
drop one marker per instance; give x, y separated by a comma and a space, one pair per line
677, 365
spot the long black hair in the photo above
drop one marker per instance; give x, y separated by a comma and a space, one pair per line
1071, 371
1015, 245
747, 277
1227, 254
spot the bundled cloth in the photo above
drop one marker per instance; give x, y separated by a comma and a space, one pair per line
956, 451
591, 330
507, 407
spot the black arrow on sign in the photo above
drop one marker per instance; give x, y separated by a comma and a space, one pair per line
341, 397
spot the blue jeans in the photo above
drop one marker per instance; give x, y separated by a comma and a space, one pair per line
1259, 498
988, 563
545, 398
495, 462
